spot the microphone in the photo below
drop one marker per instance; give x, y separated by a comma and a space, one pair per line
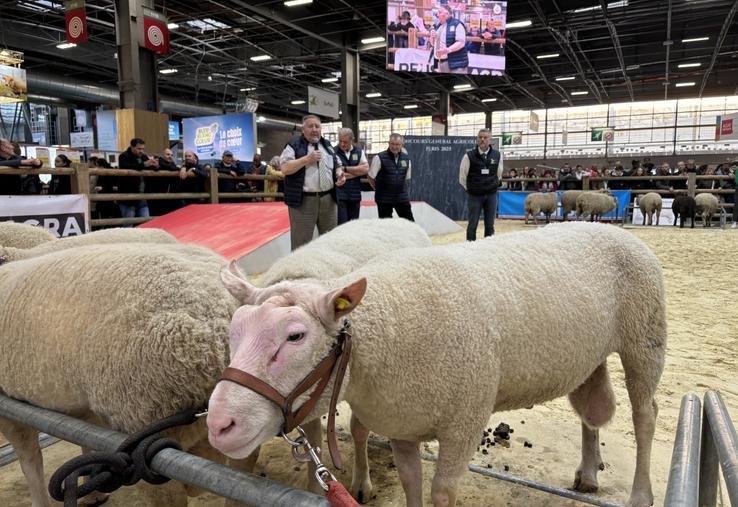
315, 145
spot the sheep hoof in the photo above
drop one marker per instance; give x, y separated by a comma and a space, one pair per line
585, 484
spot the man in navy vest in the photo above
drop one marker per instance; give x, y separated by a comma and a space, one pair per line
354, 165
387, 175
479, 174
311, 174
450, 43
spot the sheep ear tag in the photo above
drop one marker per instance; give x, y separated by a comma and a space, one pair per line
345, 300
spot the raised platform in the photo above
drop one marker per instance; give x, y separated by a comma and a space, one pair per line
258, 234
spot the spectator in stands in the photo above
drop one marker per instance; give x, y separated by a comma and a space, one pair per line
529, 172
388, 176
660, 184
228, 166
10, 184
617, 172
311, 173
691, 167
272, 186
504, 185
733, 199
474, 47
192, 175
709, 171
449, 46
354, 163
513, 185
579, 174
491, 34
547, 186
163, 185
257, 168
479, 174
679, 170
402, 28
61, 183
567, 180
598, 173
134, 158
106, 185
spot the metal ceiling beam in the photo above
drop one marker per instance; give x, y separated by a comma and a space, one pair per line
721, 38
618, 49
668, 43
519, 51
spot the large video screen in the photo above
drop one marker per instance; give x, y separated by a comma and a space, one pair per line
464, 37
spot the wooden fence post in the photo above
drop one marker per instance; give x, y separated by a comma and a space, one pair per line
213, 185
585, 182
81, 184
691, 184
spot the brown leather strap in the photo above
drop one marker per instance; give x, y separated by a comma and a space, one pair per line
340, 371
322, 375
257, 385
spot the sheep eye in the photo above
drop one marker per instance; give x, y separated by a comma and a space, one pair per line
296, 337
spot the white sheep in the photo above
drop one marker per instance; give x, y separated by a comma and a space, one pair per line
540, 202
120, 334
595, 204
569, 202
16, 235
650, 204
104, 236
438, 346
346, 248
707, 205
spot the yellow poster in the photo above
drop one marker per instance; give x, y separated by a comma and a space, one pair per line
72, 155
43, 155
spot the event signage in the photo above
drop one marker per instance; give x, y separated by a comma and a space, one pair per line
510, 138
534, 122
174, 131
63, 215
107, 130
210, 136
727, 127
156, 32
81, 139
13, 85
420, 33
323, 102
606, 134
76, 21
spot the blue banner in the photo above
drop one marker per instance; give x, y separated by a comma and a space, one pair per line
174, 131
512, 204
210, 136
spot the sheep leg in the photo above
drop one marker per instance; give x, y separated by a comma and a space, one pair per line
594, 402
361, 484
407, 460
658, 216
455, 452
24, 440
643, 366
649, 218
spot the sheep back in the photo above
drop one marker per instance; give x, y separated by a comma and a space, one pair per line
346, 248
595, 203
683, 205
650, 202
129, 334
16, 235
540, 202
569, 200
706, 204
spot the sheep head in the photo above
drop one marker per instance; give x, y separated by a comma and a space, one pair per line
280, 334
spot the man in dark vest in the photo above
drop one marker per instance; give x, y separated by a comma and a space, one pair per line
479, 174
387, 175
354, 165
311, 174
450, 43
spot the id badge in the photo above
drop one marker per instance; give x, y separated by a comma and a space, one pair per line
485, 171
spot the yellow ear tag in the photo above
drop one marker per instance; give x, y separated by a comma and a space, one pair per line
342, 303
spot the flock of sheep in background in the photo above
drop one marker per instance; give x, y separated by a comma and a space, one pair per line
595, 204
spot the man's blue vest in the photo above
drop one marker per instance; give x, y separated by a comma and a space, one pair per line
457, 59
293, 182
351, 190
390, 182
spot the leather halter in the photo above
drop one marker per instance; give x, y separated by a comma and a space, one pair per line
337, 359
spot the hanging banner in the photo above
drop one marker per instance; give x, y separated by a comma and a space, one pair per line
726, 128
323, 102
534, 122
107, 130
156, 33
13, 85
63, 215
76, 21
210, 136
564, 137
603, 134
81, 139
419, 60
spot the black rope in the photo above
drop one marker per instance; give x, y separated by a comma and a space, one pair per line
108, 471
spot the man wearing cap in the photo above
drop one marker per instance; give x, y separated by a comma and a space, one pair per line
311, 174
228, 166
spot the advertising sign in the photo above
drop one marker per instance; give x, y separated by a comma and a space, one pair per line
210, 136
81, 139
422, 36
76, 21
63, 215
174, 131
156, 32
107, 131
323, 102
13, 85
606, 134
727, 127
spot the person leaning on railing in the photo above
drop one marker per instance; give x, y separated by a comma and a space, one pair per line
134, 158
61, 184
11, 184
192, 175
272, 186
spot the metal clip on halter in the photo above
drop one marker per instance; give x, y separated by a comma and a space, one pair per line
310, 453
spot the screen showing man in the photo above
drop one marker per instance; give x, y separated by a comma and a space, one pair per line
448, 37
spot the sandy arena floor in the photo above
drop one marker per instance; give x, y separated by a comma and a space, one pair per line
701, 274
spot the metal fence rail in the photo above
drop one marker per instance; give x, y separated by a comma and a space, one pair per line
699, 454
178, 465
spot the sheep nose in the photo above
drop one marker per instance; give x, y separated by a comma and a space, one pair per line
220, 425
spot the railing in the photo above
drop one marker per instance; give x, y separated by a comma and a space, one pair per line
80, 179
178, 465
699, 454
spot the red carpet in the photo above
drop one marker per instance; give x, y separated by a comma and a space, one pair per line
232, 230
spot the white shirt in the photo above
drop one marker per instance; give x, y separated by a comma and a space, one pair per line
464, 167
312, 178
362, 160
377, 165
441, 38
